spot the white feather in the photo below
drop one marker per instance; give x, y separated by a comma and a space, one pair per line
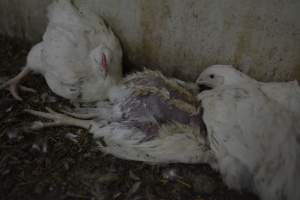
253, 129
74, 39
286, 94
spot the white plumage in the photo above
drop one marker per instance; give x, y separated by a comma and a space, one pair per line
286, 94
251, 136
253, 130
151, 118
80, 57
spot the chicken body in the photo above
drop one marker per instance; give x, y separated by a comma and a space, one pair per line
253, 131
149, 118
80, 57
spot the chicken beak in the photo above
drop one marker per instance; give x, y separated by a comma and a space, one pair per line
104, 65
202, 85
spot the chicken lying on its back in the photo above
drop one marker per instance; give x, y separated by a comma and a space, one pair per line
80, 57
151, 118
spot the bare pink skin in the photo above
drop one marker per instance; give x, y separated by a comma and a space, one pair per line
104, 64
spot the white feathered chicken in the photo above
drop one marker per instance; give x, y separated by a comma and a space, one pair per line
253, 129
151, 118
286, 94
250, 138
80, 57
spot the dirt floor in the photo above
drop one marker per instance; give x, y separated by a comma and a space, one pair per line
65, 163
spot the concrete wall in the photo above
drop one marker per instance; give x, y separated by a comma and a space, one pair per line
181, 37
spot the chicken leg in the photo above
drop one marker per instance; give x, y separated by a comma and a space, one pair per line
13, 83
58, 119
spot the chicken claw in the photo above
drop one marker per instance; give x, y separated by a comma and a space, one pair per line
58, 119
13, 84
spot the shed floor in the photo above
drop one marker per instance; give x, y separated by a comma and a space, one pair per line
51, 164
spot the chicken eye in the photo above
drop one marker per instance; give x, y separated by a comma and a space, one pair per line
211, 76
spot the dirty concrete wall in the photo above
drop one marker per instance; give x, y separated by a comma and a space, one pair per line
262, 38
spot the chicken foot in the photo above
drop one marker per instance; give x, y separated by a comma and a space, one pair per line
80, 115
58, 119
13, 84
